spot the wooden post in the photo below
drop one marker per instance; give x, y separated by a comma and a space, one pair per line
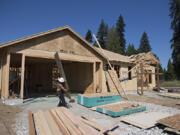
158, 87
5, 81
22, 75
100, 75
94, 77
142, 83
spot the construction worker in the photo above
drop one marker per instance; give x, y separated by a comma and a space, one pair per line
60, 92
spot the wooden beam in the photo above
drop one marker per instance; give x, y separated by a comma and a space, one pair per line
142, 81
50, 55
22, 75
100, 75
158, 86
94, 77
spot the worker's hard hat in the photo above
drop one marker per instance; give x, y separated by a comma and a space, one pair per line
61, 79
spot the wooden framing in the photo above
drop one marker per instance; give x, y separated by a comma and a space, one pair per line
50, 55
94, 77
142, 81
158, 86
22, 75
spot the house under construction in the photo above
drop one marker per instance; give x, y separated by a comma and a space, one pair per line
28, 66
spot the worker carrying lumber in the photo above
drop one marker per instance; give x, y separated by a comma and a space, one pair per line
61, 90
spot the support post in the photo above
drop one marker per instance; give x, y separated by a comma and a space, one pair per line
22, 75
100, 75
94, 77
158, 87
5, 81
142, 83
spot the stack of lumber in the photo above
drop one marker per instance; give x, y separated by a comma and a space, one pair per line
172, 123
61, 121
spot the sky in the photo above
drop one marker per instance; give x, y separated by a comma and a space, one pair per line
21, 18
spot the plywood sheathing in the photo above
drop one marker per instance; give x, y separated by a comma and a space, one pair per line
79, 76
52, 39
171, 121
115, 57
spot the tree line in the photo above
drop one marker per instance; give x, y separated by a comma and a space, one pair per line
113, 39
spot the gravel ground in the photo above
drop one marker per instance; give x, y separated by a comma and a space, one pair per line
21, 126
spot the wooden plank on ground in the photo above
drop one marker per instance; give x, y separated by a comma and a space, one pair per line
83, 128
145, 120
3, 129
59, 122
71, 127
172, 130
171, 121
53, 126
31, 124
94, 124
39, 125
110, 127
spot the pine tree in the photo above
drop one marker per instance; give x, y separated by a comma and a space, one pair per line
112, 41
131, 50
170, 71
120, 25
144, 44
102, 34
175, 41
89, 36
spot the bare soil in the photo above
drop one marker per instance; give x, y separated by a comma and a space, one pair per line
8, 116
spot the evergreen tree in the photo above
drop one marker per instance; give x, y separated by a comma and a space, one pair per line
144, 44
170, 71
120, 29
175, 41
112, 41
89, 36
131, 50
102, 34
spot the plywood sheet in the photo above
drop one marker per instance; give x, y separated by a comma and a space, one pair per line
145, 120
171, 121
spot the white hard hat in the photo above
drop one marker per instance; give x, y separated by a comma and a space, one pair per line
61, 79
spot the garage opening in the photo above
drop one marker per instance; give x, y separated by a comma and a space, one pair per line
41, 76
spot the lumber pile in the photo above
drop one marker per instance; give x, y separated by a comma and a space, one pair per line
61, 121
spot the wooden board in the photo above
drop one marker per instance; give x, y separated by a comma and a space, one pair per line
3, 129
145, 120
171, 121
31, 124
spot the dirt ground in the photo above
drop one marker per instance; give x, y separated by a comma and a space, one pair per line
8, 115
164, 101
